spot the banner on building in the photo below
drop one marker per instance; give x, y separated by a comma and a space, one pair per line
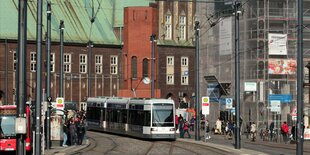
225, 36
277, 44
282, 66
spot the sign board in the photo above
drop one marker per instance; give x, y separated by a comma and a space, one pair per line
205, 105
249, 86
229, 103
233, 111
294, 113
277, 44
60, 103
275, 106
284, 98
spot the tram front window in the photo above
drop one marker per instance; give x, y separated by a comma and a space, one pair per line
7, 126
163, 115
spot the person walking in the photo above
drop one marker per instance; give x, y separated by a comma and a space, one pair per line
253, 131
186, 128
218, 129
80, 131
207, 136
271, 127
284, 131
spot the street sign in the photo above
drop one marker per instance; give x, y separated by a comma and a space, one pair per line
60, 103
275, 106
205, 105
229, 103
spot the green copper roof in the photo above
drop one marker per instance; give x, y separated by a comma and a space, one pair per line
76, 15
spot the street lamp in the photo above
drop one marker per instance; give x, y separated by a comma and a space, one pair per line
153, 40
89, 47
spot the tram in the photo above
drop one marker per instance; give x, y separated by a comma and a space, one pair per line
137, 117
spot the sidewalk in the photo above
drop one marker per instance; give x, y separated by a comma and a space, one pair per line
67, 150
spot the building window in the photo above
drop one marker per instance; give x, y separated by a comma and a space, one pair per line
52, 62
168, 27
83, 63
33, 61
145, 67
67, 63
98, 64
170, 70
182, 24
14, 60
113, 64
184, 80
134, 67
170, 79
184, 61
170, 60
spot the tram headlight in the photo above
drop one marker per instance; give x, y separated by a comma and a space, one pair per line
172, 129
154, 129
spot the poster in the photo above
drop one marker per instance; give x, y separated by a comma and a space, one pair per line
277, 44
282, 66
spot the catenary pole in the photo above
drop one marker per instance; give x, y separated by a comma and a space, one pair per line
61, 76
237, 76
197, 105
153, 39
38, 79
21, 74
300, 93
48, 74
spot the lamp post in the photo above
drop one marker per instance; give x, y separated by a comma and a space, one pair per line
153, 40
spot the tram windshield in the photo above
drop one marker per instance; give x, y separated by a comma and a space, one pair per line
163, 115
7, 126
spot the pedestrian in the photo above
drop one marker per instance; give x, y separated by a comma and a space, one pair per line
207, 136
81, 129
181, 127
72, 131
218, 124
253, 131
293, 133
284, 131
271, 127
248, 130
65, 130
1, 96
176, 122
192, 122
186, 128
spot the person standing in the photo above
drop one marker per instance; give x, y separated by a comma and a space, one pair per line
207, 136
72, 130
218, 126
284, 131
1, 96
65, 130
176, 122
181, 127
192, 122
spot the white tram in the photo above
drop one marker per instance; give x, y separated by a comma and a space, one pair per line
137, 117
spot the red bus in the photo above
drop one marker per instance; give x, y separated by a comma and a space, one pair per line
7, 129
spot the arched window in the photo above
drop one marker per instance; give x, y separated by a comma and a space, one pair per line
134, 67
145, 72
